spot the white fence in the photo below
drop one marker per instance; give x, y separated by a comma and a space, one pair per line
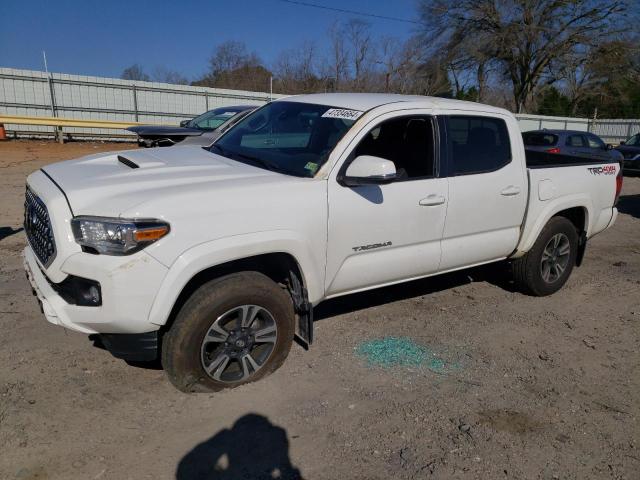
28, 92
610, 130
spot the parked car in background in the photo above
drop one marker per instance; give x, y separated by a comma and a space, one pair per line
208, 137
165, 136
570, 143
630, 151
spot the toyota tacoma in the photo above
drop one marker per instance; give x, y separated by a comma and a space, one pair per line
213, 259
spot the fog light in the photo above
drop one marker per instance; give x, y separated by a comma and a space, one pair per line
79, 291
91, 296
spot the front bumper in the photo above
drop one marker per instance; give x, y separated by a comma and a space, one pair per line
128, 284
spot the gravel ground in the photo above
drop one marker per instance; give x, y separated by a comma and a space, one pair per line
522, 387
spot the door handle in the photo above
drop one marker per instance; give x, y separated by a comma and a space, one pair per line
432, 200
510, 191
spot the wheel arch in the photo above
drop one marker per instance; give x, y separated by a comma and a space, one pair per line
576, 210
268, 253
278, 266
579, 216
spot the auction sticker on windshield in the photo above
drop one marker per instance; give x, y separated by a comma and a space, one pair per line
342, 113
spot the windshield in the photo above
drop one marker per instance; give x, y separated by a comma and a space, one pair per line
212, 119
634, 141
288, 137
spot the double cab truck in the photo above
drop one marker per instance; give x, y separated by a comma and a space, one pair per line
213, 259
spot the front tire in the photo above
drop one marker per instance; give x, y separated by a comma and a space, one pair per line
233, 330
547, 266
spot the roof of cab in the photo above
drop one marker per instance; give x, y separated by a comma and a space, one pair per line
368, 101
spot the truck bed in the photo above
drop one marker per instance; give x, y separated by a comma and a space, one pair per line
536, 159
558, 183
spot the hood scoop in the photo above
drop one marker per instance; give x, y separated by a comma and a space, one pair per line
127, 162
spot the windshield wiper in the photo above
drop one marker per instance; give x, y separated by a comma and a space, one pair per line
254, 160
261, 162
220, 149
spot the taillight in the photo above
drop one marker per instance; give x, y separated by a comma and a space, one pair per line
619, 178
553, 150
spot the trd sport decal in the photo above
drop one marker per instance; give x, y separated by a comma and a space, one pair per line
372, 246
606, 170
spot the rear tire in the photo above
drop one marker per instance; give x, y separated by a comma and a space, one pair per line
209, 347
547, 266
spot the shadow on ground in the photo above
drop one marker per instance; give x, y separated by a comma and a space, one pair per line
253, 448
497, 274
8, 231
630, 205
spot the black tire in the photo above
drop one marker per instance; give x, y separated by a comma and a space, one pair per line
182, 343
528, 270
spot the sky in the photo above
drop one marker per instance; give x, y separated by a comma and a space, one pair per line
102, 38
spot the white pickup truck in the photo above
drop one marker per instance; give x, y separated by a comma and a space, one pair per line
212, 260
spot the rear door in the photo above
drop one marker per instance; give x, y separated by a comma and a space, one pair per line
487, 188
597, 148
576, 145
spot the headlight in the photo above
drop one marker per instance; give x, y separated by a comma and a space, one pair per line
116, 236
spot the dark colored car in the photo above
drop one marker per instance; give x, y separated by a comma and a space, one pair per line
165, 136
570, 143
630, 151
208, 138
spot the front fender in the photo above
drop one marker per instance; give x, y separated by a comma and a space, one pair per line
223, 250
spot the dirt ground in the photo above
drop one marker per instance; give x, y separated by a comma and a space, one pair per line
543, 388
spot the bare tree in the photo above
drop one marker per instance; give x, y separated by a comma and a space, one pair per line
163, 74
135, 72
233, 66
296, 70
358, 34
231, 55
524, 36
391, 59
338, 57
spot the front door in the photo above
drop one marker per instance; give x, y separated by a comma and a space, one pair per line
381, 234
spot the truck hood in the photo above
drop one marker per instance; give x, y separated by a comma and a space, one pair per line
161, 130
110, 183
628, 151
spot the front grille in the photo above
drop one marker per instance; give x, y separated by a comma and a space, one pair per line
37, 226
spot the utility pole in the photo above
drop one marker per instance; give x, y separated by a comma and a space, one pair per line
595, 117
57, 131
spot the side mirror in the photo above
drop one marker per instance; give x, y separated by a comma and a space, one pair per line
184, 123
609, 146
369, 170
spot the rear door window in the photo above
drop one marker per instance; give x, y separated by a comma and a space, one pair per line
539, 139
477, 144
595, 142
576, 141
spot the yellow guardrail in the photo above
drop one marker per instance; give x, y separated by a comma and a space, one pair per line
65, 122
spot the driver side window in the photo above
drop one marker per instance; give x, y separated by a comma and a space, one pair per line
595, 142
407, 141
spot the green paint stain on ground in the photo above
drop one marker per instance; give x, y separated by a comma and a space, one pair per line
390, 352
